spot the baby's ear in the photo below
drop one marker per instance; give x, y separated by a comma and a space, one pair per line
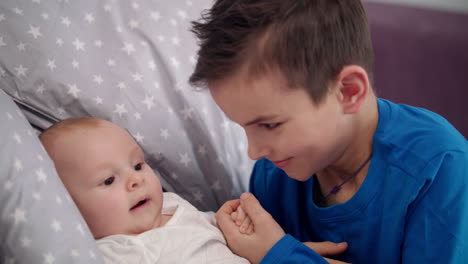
354, 86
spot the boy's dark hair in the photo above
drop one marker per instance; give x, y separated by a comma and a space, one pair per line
308, 41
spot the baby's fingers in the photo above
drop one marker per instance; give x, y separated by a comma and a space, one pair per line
234, 216
240, 216
246, 226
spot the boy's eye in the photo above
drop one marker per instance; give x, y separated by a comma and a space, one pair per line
109, 181
270, 126
139, 166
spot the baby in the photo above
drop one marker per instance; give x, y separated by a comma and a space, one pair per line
121, 198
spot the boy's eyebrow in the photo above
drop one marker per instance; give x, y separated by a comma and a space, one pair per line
260, 119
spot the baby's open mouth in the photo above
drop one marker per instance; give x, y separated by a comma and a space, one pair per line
139, 204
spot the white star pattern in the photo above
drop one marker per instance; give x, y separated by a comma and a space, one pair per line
74, 253
149, 102
98, 100
175, 62
59, 42
17, 138
156, 16
60, 111
121, 85
184, 159
164, 133
21, 46
73, 90
120, 109
49, 258
133, 24
18, 165
98, 43
198, 196
98, 79
182, 14
36, 196
19, 216
89, 18
75, 64
128, 48
35, 31
66, 21
107, 7
80, 229
187, 112
8, 185
51, 64
137, 116
151, 65
79, 45
21, 71
56, 226
18, 11
139, 138
58, 200
2, 17
2, 42
176, 41
26, 242
41, 176
137, 77
40, 89
111, 62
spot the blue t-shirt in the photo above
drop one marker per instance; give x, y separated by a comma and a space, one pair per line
411, 208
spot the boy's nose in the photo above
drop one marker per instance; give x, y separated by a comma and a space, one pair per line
257, 151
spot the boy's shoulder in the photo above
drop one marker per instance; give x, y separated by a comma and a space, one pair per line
413, 138
417, 128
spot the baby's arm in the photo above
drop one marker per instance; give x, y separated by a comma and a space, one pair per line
243, 221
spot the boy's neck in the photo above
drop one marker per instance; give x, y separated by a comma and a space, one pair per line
358, 151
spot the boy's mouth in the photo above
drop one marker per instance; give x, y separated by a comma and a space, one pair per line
281, 163
140, 204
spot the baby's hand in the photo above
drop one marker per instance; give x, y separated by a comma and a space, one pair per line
243, 221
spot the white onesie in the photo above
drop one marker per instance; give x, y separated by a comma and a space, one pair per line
190, 236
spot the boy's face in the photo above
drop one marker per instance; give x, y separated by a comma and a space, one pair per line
105, 172
284, 125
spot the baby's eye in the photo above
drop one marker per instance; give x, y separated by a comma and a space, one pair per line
270, 126
109, 181
138, 167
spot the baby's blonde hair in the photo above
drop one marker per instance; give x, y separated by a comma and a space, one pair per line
71, 125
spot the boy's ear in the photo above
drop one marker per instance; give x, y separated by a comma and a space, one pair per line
353, 85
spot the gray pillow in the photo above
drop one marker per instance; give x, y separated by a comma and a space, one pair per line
127, 62
39, 221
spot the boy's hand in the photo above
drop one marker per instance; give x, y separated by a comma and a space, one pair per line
328, 249
266, 231
243, 221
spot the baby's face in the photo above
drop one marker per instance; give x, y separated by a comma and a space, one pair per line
105, 172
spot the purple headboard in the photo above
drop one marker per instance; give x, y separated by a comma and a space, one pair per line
421, 59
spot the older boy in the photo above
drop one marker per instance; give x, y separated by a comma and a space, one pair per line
334, 162
122, 201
